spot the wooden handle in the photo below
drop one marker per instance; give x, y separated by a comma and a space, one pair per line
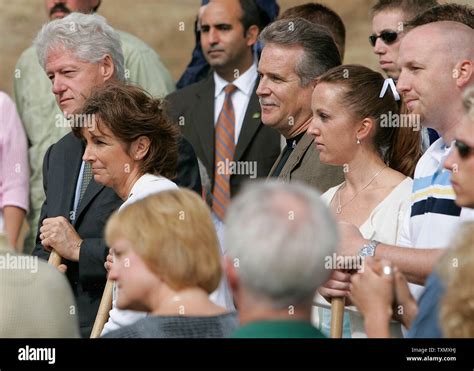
104, 308
337, 317
54, 258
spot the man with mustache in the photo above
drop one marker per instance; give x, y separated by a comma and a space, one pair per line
43, 120
295, 53
220, 115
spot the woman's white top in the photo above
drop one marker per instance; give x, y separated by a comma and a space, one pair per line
146, 185
383, 224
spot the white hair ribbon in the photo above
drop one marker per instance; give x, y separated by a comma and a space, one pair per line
389, 82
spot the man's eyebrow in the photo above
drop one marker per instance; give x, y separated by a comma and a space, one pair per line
217, 25
277, 75
413, 63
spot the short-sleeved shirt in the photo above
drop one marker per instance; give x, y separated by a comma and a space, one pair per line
434, 217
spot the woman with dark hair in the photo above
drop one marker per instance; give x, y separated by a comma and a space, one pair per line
131, 143
357, 125
132, 147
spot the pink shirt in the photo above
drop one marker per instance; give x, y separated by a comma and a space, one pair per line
14, 170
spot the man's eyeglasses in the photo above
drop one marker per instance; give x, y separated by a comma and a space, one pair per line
463, 149
388, 37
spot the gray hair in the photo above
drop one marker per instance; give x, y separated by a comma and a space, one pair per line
278, 236
320, 50
88, 36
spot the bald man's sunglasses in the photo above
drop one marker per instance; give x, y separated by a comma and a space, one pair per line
463, 149
388, 37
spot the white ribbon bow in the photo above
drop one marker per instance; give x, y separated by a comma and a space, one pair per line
389, 82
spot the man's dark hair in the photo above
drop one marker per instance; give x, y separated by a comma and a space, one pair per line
320, 50
324, 16
252, 15
446, 12
410, 8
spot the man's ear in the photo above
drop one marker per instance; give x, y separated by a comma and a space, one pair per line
252, 35
463, 73
231, 273
107, 67
140, 147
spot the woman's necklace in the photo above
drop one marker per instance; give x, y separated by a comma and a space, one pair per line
339, 206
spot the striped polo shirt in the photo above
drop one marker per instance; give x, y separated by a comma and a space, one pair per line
433, 218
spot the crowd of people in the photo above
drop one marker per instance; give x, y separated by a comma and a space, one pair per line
274, 185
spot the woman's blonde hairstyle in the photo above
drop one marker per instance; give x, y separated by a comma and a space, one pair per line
172, 231
456, 269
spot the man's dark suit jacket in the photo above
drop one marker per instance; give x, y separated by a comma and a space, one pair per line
305, 166
61, 167
193, 108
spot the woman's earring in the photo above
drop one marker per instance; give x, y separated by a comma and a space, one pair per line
358, 141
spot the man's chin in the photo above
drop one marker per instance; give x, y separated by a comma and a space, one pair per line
268, 121
68, 109
392, 74
217, 63
391, 71
464, 201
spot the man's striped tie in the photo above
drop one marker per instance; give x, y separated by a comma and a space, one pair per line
225, 148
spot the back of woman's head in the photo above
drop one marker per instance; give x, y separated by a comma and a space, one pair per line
172, 231
129, 112
456, 270
361, 97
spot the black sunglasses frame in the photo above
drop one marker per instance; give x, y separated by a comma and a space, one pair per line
463, 149
388, 37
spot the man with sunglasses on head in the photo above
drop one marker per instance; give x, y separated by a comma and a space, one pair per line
389, 18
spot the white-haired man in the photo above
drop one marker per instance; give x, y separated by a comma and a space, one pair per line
41, 117
76, 208
277, 239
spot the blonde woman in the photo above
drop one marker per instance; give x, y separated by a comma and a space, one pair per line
167, 263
